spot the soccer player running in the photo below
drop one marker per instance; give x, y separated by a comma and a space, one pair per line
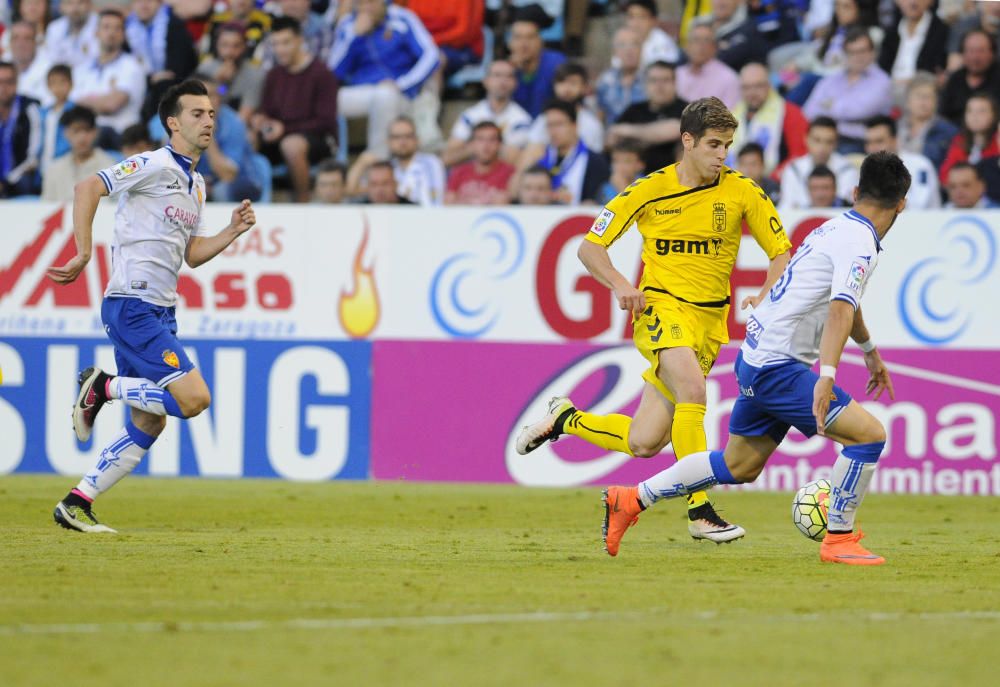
690, 215
808, 315
158, 223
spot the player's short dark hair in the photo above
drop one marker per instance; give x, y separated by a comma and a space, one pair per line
486, 124
823, 122
286, 24
882, 120
704, 114
884, 179
135, 134
60, 69
648, 5
981, 32
856, 33
567, 108
78, 114
569, 69
751, 148
330, 165
966, 165
822, 172
170, 103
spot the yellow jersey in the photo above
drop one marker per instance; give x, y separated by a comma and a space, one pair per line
691, 235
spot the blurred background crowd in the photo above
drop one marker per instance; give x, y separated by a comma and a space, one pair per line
534, 102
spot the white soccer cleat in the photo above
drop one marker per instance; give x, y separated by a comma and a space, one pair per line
705, 523
534, 435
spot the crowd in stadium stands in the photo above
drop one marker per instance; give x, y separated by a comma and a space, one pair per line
568, 113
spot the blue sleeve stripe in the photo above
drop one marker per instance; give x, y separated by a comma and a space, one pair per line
107, 182
429, 54
845, 297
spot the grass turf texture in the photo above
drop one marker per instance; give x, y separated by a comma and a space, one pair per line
195, 555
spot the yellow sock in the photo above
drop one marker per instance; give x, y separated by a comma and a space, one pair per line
606, 431
688, 436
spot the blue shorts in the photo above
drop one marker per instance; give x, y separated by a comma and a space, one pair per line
145, 339
774, 398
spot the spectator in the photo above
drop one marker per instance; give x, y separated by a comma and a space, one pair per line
83, 159
241, 77
822, 186
966, 190
484, 179
331, 183
925, 192
654, 123
256, 24
456, 27
496, 107
847, 14
19, 137
31, 62
227, 164
316, 33
420, 177
136, 140
535, 187
570, 87
382, 186
736, 32
750, 163
627, 165
577, 173
979, 72
978, 137
821, 143
852, 95
621, 84
298, 109
986, 18
704, 75
112, 84
657, 45
72, 38
54, 141
921, 130
765, 118
918, 43
383, 56
38, 13
535, 65
163, 46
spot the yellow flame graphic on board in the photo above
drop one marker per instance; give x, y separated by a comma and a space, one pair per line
359, 308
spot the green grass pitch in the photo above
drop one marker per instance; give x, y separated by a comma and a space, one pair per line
273, 583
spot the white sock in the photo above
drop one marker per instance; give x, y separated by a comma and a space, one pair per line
145, 395
852, 474
694, 472
118, 459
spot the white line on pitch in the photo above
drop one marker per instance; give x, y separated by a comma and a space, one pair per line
474, 619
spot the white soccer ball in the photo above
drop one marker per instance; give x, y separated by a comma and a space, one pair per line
809, 509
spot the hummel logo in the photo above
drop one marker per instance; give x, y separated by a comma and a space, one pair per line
174, 186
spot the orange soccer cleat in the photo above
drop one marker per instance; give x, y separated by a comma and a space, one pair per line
621, 511
844, 548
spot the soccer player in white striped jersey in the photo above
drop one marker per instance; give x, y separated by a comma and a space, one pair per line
158, 224
807, 316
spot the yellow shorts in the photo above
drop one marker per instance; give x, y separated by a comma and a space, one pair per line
669, 323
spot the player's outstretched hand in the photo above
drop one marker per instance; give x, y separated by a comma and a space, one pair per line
822, 393
68, 272
630, 298
750, 302
243, 217
879, 380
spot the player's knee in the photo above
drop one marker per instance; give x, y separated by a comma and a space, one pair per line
744, 473
150, 424
644, 449
876, 433
196, 403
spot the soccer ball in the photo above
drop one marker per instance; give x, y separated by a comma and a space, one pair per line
809, 509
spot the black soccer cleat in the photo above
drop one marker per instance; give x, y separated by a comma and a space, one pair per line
89, 401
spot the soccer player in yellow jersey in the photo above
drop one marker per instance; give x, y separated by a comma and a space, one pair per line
690, 215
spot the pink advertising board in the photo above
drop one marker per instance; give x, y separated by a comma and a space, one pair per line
449, 411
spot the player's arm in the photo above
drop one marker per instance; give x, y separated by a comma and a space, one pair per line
86, 196
775, 268
595, 258
839, 324
767, 231
878, 379
201, 249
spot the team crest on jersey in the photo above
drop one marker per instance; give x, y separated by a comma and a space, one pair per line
719, 216
125, 167
675, 331
170, 358
602, 222
856, 277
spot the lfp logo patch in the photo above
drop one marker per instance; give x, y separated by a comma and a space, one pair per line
125, 167
602, 222
856, 277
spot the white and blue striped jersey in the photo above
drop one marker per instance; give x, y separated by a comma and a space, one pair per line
833, 263
422, 181
160, 203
